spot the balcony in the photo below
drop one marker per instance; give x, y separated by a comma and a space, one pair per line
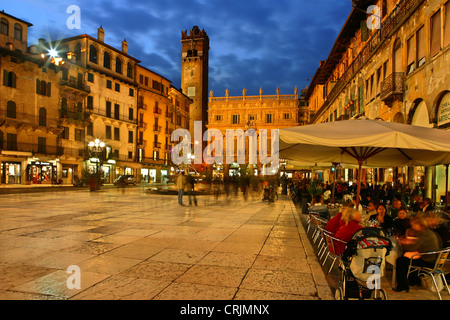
113, 115
41, 149
74, 115
21, 120
142, 125
157, 145
393, 88
75, 84
156, 129
142, 143
142, 105
157, 111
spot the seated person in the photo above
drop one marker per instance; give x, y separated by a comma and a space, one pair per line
337, 221
438, 224
419, 239
401, 223
353, 204
385, 221
351, 224
318, 207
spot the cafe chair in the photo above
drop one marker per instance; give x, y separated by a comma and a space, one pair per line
436, 271
330, 250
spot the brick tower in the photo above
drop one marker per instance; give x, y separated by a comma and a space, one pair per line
194, 74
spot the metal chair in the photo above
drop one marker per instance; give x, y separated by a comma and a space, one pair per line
436, 271
330, 249
317, 223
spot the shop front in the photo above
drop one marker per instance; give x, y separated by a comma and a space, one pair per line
39, 172
10, 172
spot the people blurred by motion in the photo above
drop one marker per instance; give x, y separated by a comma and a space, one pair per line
418, 239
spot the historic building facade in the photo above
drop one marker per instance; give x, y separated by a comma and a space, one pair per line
29, 114
58, 97
254, 112
161, 109
109, 75
390, 65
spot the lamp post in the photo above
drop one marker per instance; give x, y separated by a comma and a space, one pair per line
96, 147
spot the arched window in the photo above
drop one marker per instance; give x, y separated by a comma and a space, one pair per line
78, 52
93, 54
129, 70
4, 26
18, 32
118, 65
11, 109
107, 60
42, 117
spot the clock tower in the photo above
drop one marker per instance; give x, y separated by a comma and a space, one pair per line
194, 74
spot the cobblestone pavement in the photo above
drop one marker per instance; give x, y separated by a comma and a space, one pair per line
131, 245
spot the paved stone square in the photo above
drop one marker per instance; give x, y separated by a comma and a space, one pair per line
132, 245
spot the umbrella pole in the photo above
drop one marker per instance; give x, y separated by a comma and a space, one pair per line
358, 190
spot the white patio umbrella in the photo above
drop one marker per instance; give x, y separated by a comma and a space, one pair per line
364, 142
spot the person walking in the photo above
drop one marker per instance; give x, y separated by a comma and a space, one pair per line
181, 183
190, 187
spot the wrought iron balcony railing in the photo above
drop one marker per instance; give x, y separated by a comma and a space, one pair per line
393, 86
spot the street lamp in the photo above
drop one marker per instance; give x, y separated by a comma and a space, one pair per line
96, 147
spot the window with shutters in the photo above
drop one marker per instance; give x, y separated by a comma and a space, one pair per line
435, 36
18, 32
411, 55
108, 132
11, 141
447, 24
42, 142
235, 119
106, 60
108, 109
420, 45
4, 26
90, 129
93, 54
11, 109
118, 65
9, 79
42, 117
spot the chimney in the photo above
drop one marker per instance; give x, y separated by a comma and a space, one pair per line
101, 34
125, 46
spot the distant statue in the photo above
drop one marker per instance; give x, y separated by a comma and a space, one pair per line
227, 92
278, 91
211, 93
244, 92
296, 91
260, 91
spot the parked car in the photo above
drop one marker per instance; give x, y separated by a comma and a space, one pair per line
125, 180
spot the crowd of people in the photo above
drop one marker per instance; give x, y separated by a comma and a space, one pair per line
404, 214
